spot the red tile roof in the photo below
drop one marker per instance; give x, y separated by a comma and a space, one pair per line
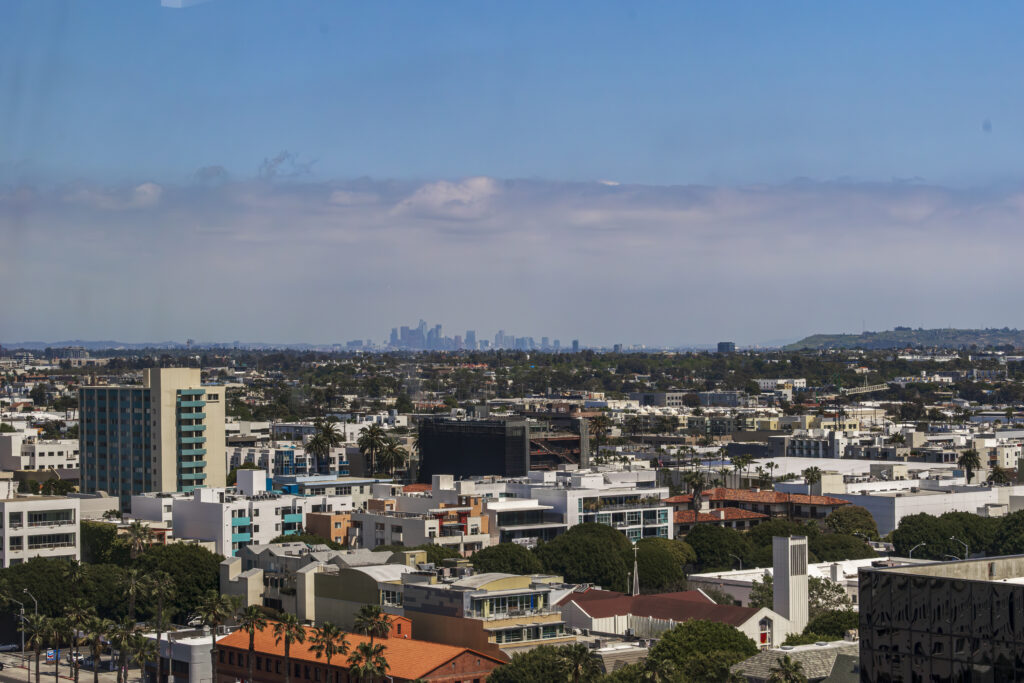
416, 488
407, 658
682, 606
747, 496
728, 515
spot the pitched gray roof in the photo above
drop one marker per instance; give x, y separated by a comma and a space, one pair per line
817, 661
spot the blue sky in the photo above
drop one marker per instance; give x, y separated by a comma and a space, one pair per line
127, 115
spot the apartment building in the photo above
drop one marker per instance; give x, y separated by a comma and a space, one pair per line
153, 437
462, 526
39, 526
234, 518
20, 451
286, 460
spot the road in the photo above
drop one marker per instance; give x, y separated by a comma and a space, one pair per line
14, 671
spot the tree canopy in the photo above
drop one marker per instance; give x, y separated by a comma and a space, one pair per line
699, 645
851, 519
508, 558
589, 553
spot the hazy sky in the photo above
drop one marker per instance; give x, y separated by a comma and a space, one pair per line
662, 173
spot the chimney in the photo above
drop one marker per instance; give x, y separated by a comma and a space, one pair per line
834, 572
789, 555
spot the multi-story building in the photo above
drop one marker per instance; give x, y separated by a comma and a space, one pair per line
946, 621
462, 526
39, 526
672, 399
153, 437
234, 518
359, 488
285, 459
23, 452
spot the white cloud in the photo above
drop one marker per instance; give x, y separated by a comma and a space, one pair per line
465, 200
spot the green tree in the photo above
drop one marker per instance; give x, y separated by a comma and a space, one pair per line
786, 670
288, 630
371, 621
1009, 539
143, 651
328, 640
589, 553
393, 455
691, 641
852, 519
838, 547
34, 626
812, 476
403, 404
78, 616
969, 461
214, 610
715, 546
542, 663
160, 587
120, 638
195, 570
140, 537
660, 564
580, 663
94, 637
252, 620
321, 442
998, 475
6, 428
695, 483
933, 532
371, 443
134, 585
824, 595
833, 624
506, 558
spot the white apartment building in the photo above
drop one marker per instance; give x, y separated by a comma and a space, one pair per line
39, 526
284, 459
773, 384
20, 451
234, 518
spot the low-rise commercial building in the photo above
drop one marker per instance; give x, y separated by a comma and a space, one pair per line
39, 526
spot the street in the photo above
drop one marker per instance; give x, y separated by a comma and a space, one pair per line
14, 671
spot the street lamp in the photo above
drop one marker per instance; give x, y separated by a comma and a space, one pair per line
967, 550
911, 554
26, 592
738, 559
22, 615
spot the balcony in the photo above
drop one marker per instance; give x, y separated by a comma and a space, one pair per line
241, 538
192, 392
193, 476
193, 451
192, 428
192, 439
192, 464
191, 404
292, 518
241, 521
191, 416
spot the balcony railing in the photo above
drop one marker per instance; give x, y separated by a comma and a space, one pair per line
51, 522
512, 614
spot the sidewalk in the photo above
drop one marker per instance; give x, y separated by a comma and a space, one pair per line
14, 671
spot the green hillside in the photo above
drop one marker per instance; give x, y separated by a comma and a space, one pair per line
900, 337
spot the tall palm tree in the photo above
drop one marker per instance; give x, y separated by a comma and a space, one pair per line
367, 661
771, 466
94, 637
35, 627
328, 640
582, 665
695, 481
143, 651
372, 621
599, 426
787, 670
321, 442
393, 455
140, 537
134, 586
214, 609
251, 620
120, 637
78, 614
289, 630
969, 461
370, 443
160, 586
60, 632
812, 475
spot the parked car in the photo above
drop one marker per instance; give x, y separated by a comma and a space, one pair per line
9, 647
72, 656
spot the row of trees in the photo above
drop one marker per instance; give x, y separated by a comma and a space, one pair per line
942, 537
376, 445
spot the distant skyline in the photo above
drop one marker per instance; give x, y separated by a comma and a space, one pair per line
664, 174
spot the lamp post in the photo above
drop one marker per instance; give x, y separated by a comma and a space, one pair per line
967, 550
910, 555
21, 615
26, 592
738, 559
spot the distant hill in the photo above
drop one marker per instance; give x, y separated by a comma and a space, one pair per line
900, 337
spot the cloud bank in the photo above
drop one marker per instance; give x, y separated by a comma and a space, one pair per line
328, 261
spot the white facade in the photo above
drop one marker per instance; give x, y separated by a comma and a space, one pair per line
23, 452
39, 526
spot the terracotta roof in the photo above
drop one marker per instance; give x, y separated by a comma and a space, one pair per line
729, 515
682, 606
416, 488
407, 658
746, 496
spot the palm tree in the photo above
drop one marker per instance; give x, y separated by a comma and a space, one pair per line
78, 614
373, 622
812, 475
695, 480
599, 426
998, 475
367, 661
95, 634
393, 455
290, 631
134, 585
120, 636
320, 444
251, 620
161, 586
370, 443
143, 651
969, 461
328, 640
58, 631
771, 466
582, 665
35, 626
787, 670
214, 610
140, 536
